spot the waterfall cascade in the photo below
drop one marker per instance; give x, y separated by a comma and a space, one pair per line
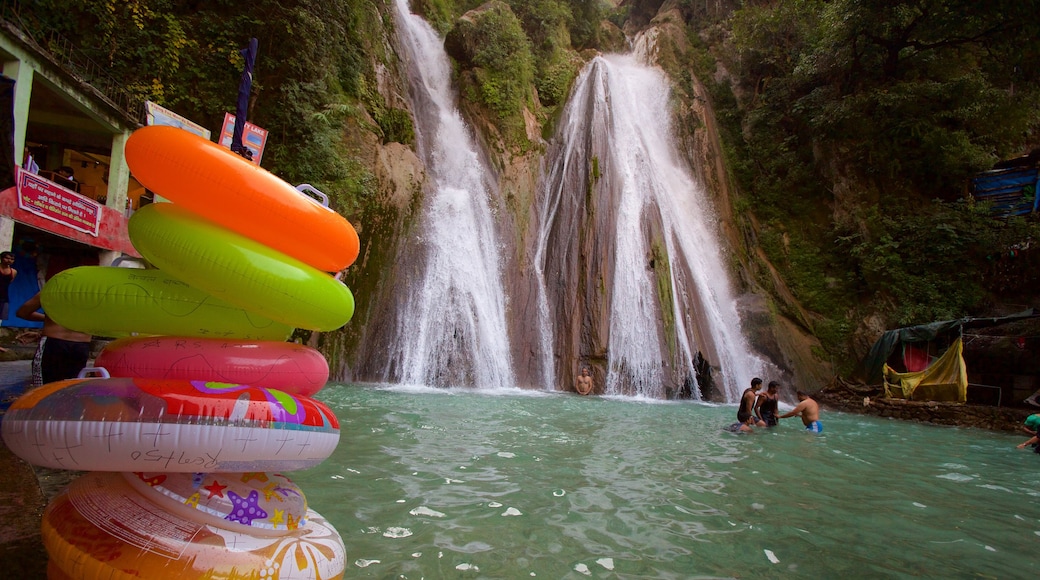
615, 182
451, 326
626, 261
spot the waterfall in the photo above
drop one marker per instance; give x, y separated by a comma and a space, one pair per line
629, 242
451, 318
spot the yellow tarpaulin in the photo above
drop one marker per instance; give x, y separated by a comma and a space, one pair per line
946, 379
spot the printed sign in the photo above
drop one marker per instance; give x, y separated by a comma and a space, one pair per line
253, 138
157, 115
53, 202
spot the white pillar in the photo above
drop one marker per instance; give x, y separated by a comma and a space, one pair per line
23, 79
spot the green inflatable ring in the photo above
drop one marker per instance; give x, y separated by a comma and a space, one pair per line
239, 270
117, 302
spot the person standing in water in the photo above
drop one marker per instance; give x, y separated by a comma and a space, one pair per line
766, 406
583, 384
809, 411
749, 401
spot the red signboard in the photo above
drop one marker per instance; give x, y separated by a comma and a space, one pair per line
53, 202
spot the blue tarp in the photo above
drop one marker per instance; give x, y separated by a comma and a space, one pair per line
1009, 191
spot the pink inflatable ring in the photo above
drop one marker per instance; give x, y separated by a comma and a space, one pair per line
286, 366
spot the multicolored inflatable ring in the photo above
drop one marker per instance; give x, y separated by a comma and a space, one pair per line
222, 187
258, 503
168, 426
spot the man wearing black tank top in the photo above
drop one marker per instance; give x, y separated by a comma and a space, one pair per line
766, 406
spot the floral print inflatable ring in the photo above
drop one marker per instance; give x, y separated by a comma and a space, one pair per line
101, 526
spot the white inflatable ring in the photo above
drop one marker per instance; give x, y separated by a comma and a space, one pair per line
168, 426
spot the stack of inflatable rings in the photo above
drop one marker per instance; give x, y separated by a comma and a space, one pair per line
200, 407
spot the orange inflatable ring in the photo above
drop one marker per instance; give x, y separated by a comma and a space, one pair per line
169, 426
286, 366
100, 527
225, 188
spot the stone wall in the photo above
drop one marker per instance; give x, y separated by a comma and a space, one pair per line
869, 400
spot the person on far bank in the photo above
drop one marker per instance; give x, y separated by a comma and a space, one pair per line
583, 384
749, 401
809, 410
1032, 426
62, 353
767, 404
7, 275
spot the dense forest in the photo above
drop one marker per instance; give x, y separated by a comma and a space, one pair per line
850, 127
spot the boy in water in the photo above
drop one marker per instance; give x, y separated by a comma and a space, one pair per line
809, 411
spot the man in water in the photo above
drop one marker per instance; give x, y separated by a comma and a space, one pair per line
766, 406
810, 412
583, 384
749, 401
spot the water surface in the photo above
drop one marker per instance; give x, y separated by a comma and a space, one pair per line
447, 484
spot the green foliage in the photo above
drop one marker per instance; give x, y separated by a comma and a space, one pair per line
504, 54
896, 103
185, 56
929, 262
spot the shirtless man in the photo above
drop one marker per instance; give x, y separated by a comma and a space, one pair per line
62, 352
810, 412
748, 402
583, 384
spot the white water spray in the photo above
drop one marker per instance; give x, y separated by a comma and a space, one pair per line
452, 327
619, 116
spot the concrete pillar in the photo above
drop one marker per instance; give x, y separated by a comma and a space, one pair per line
118, 174
23, 77
6, 233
